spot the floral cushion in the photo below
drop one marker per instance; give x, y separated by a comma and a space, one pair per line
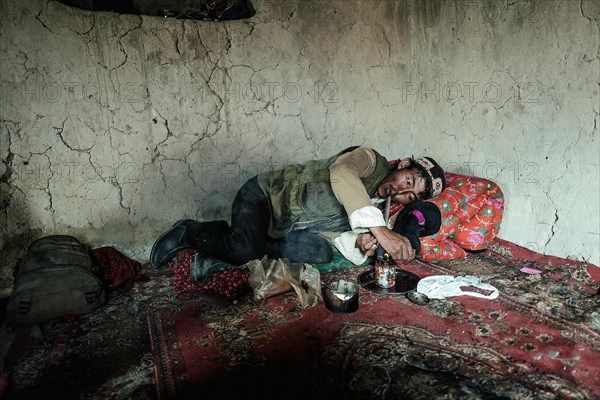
227, 282
472, 210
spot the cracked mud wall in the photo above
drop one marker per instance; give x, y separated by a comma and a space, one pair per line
113, 126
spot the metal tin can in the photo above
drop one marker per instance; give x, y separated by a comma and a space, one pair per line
385, 274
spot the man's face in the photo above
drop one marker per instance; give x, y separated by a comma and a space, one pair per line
404, 185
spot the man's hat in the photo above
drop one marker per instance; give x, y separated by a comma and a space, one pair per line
434, 174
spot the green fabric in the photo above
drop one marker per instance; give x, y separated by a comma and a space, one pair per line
337, 263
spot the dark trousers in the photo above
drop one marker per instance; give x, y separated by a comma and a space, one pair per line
247, 238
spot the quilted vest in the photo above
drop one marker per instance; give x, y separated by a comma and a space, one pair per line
301, 193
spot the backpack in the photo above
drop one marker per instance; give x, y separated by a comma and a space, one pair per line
54, 278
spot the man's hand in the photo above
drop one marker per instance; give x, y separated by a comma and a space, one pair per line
366, 243
396, 245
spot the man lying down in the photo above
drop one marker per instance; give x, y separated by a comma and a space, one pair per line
284, 213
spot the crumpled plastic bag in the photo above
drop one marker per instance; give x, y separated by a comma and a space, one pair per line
442, 286
270, 277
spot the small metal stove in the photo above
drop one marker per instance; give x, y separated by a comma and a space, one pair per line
386, 277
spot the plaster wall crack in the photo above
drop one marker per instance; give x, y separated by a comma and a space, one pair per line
8, 161
388, 45
47, 189
59, 133
189, 173
552, 232
42, 10
228, 37
99, 173
116, 184
28, 70
121, 48
594, 18
92, 25
169, 134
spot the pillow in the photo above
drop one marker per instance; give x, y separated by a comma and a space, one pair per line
472, 210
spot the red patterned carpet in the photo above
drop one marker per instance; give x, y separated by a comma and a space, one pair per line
540, 339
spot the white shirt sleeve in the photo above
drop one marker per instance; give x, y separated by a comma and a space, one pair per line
366, 217
360, 221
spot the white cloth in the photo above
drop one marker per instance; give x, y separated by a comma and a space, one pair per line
442, 286
360, 221
346, 244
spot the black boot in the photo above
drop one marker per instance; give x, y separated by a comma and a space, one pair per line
202, 267
169, 244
